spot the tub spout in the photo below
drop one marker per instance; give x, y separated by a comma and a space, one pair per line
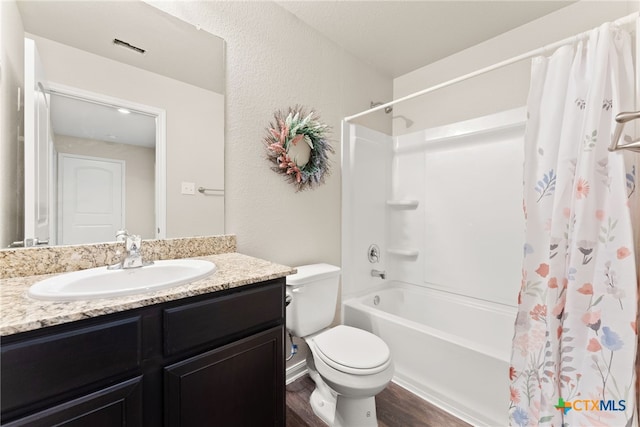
378, 273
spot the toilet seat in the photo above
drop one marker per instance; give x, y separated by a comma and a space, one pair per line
353, 351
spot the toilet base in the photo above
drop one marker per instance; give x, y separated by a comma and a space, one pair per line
323, 399
337, 410
323, 406
341, 411
355, 412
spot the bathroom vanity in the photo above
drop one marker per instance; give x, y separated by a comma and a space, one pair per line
207, 353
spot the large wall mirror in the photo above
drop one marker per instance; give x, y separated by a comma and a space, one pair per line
135, 106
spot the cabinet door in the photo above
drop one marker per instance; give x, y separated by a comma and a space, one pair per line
118, 405
240, 384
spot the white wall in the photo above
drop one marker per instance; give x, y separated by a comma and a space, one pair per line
139, 176
195, 128
11, 123
498, 90
275, 61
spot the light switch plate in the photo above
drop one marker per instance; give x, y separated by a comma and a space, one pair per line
188, 188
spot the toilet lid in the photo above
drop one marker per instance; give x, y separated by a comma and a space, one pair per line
352, 348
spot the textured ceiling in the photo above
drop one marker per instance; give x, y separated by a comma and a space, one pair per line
397, 37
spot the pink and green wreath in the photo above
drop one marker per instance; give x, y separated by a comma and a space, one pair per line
297, 145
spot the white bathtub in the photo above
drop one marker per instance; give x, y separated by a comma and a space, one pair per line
453, 351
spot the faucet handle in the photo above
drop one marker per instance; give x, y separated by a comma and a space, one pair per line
373, 253
132, 244
121, 235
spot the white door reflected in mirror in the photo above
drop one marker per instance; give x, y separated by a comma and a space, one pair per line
91, 200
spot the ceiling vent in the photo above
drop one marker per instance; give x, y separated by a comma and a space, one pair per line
129, 46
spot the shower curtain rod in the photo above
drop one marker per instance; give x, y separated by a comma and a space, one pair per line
536, 52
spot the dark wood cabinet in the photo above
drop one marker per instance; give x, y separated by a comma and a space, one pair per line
118, 405
215, 359
230, 386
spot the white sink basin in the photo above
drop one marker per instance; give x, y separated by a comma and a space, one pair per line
103, 283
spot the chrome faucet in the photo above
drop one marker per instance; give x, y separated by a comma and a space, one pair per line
379, 273
133, 258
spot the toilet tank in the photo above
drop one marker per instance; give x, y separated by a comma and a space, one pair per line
314, 293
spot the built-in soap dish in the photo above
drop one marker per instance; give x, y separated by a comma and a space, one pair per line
403, 204
407, 253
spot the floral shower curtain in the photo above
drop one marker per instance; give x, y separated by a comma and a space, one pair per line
574, 346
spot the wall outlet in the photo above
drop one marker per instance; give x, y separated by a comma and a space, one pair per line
188, 188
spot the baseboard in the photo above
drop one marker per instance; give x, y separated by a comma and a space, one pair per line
295, 371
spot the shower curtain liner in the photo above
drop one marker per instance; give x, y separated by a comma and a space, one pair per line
574, 347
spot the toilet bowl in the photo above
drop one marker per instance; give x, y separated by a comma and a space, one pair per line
348, 365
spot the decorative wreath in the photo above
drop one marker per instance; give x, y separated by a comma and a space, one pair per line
297, 145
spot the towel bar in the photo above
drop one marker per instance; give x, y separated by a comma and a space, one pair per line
621, 120
211, 191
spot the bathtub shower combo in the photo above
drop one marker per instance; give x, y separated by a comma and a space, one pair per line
447, 235
432, 242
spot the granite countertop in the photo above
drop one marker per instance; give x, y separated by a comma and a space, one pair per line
20, 313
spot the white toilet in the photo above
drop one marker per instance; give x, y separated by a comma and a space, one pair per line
349, 365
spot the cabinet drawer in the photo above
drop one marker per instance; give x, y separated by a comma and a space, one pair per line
193, 325
42, 368
117, 405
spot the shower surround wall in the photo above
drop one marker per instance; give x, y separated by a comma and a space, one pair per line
366, 168
444, 205
465, 236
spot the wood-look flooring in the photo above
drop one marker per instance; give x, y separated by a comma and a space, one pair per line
395, 407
